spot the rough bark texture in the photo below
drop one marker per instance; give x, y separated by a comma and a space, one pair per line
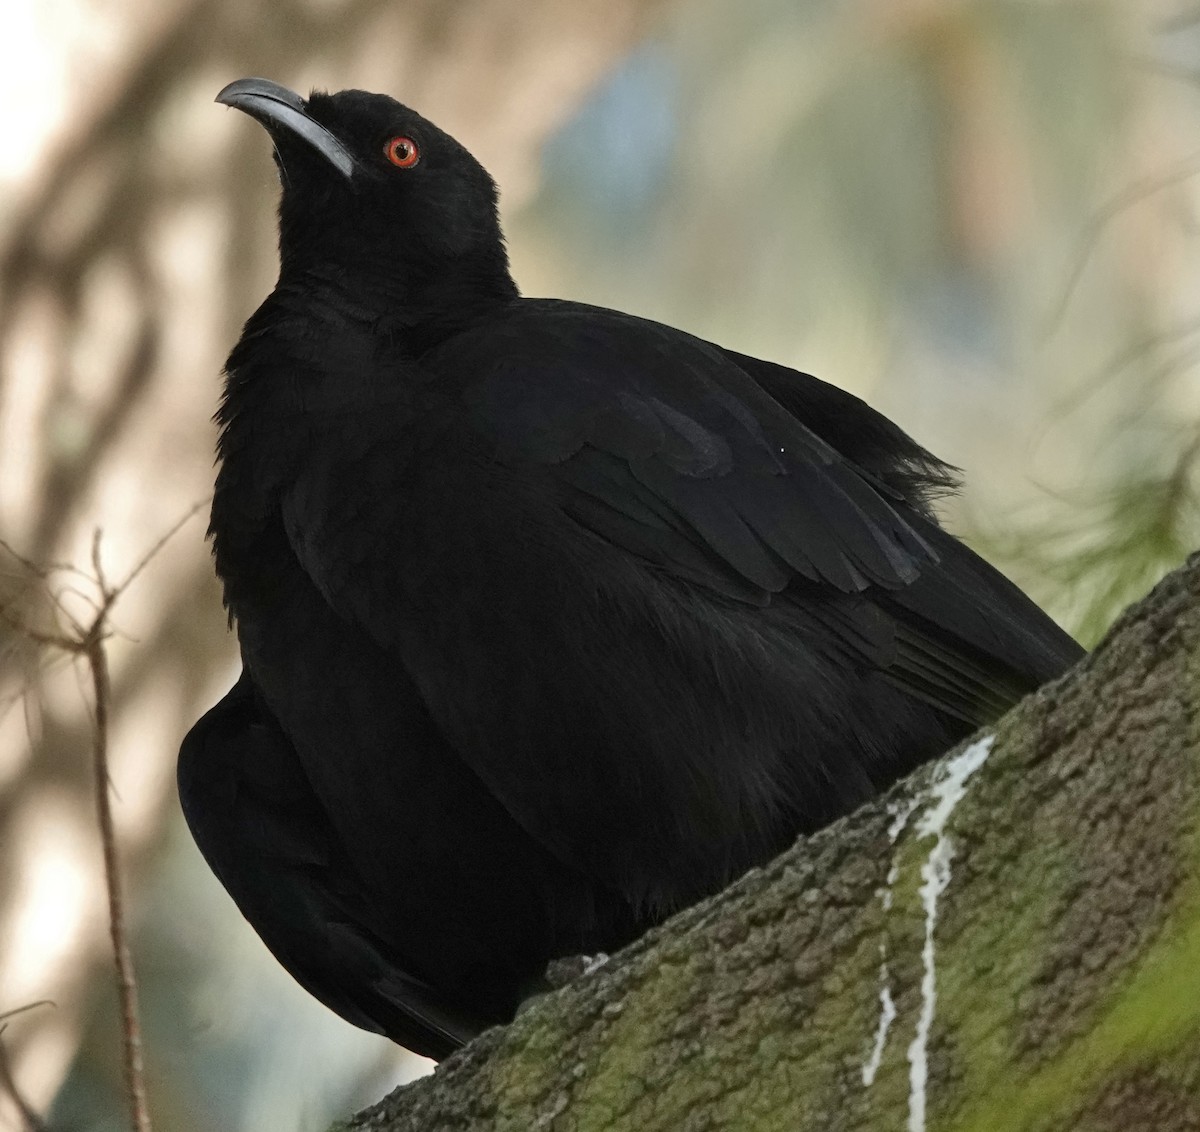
1056, 978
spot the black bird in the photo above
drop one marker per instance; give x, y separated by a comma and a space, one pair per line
552, 619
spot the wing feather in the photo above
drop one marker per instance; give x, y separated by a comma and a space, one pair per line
760, 482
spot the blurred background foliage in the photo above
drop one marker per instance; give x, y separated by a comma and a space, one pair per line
980, 215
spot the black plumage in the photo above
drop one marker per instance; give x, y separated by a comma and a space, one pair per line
553, 619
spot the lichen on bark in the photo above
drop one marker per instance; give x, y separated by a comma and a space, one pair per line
1064, 949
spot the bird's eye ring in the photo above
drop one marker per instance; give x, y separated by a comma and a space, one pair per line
402, 152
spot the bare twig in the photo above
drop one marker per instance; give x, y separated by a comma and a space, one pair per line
87, 642
1096, 225
33, 1122
90, 646
7, 1014
1178, 482
150, 554
97, 658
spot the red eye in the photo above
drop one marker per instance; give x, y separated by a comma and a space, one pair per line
402, 152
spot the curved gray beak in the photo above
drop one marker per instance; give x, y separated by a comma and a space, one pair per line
276, 107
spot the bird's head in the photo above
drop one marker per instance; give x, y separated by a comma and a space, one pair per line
372, 192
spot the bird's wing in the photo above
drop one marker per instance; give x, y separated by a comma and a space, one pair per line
703, 462
878, 446
264, 834
671, 450
960, 635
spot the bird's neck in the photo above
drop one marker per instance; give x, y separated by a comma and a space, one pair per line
412, 311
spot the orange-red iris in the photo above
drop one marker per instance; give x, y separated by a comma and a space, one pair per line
402, 152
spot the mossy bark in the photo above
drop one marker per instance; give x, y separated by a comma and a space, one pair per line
1029, 906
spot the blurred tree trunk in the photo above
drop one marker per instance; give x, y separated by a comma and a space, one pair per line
1009, 941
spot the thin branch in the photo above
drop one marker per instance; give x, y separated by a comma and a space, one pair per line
87, 642
1180, 477
150, 554
135, 1080
8, 1083
1096, 225
90, 646
5, 1015
98, 565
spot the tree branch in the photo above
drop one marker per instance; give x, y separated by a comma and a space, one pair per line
1009, 940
